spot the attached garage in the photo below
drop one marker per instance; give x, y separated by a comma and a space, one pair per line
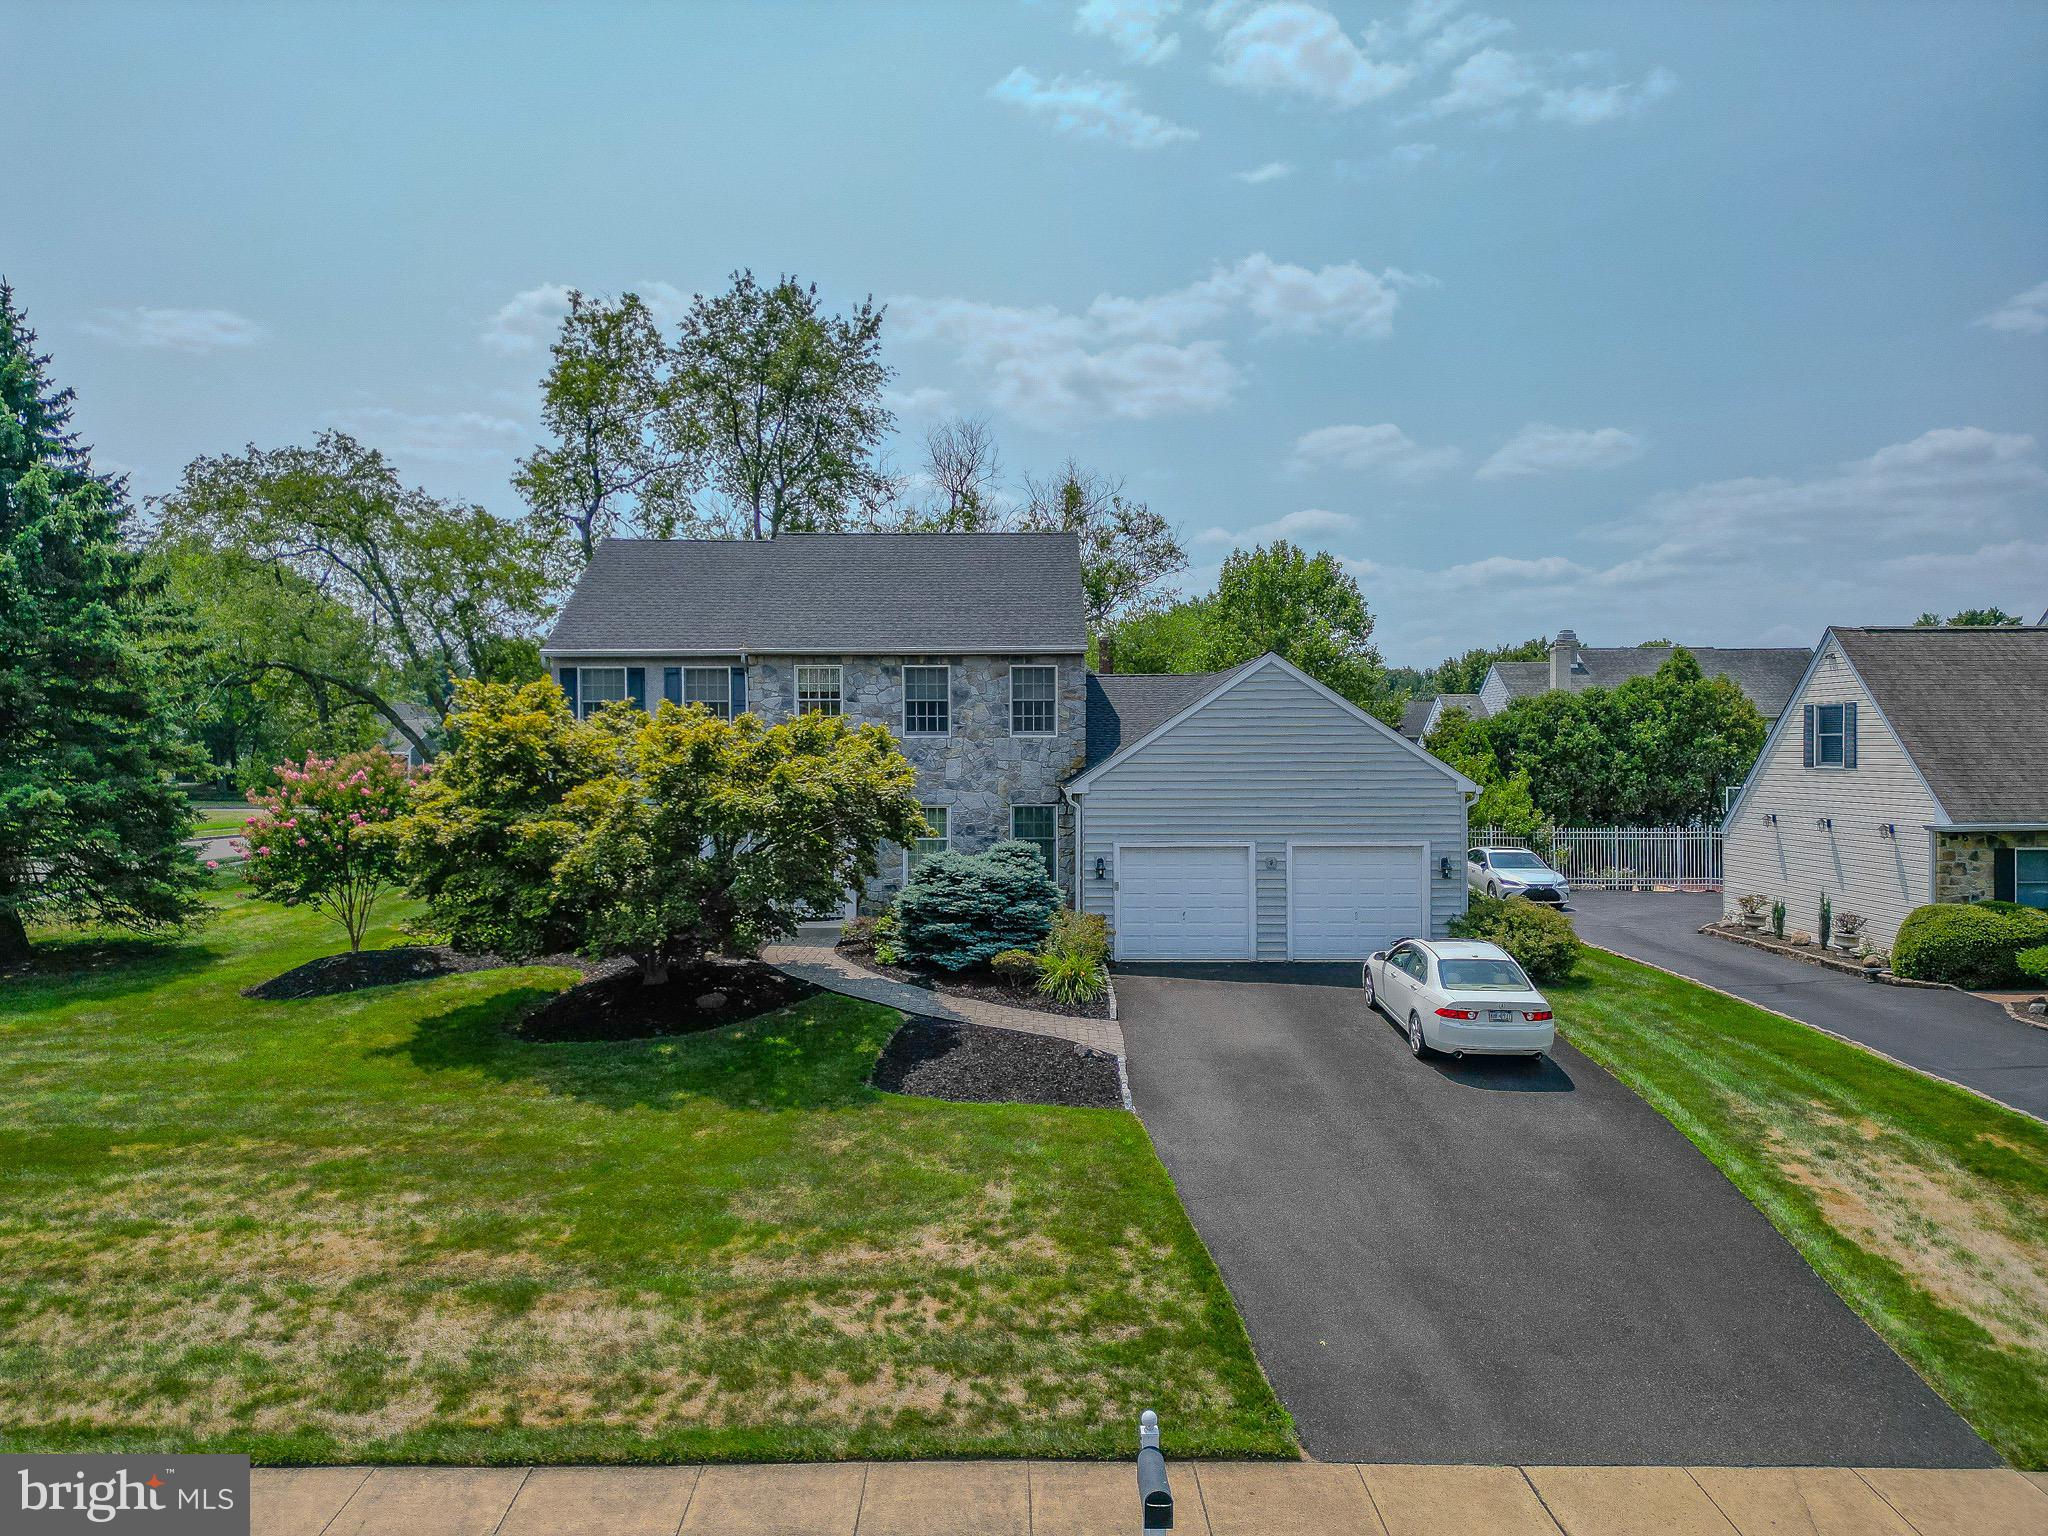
1256, 815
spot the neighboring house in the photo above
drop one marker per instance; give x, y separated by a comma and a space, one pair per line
1767, 675
1421, 716
1240, 815
1911, 767
422, 720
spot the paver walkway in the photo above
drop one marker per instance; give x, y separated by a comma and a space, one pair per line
822, 965
1046, 1498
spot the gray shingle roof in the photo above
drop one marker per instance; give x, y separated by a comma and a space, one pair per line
1971, 707
922, 593
1415, 715
1767, 675
1124, 707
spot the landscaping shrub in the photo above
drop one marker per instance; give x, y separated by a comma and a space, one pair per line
1079, 933
1539, 937
2033, 963
858, 933
961, 910
1067, 976
321, 835
1972, 945
1016, 965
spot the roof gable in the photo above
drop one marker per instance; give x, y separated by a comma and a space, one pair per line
873, 593
1767, 675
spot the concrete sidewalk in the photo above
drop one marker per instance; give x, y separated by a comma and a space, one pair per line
1050, 1498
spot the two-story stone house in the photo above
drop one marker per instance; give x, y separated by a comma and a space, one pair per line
1249, 814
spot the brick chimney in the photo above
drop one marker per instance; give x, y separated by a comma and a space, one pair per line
1105, 654
1563, 650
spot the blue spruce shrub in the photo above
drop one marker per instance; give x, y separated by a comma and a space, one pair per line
960, 910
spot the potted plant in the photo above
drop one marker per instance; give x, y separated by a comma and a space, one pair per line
1849, 932
1753, 909
1778, 919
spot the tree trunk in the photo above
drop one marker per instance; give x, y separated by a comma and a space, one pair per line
654, 970
13, 937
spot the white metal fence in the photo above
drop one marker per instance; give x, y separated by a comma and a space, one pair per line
1625, 858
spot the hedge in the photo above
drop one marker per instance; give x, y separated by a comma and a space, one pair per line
1967, 945
1541, 938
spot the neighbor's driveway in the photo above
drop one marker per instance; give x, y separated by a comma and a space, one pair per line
1951, 1034
1494, 1261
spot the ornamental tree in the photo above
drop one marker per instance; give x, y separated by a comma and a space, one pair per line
322, 835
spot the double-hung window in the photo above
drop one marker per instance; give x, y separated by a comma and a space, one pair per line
2030, 876
598, 685
1034, 701
818, 691
927, 701
1039, 826
1830, 736
940, 821
711, 687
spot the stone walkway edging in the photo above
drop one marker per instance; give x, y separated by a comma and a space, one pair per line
1069, 1498
822, 965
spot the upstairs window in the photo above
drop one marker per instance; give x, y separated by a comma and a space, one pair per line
818, 691
1034, 701
1830, 735
927, 701
1039, 826
711, 687
598, 685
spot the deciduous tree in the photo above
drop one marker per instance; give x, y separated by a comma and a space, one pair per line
321, 835
1305, 607
1128, 551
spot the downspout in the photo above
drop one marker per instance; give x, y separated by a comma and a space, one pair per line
1080, 823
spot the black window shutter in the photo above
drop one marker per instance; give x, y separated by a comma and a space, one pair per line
568, 680
672, 684
636, 685
1848, 735
739, 692
1809, 735
2004, 881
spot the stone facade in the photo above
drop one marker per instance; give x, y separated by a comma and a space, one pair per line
979, 770
1962, 861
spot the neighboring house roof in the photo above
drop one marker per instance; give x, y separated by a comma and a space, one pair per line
1970, 706
1163, 700
1126, 706
896, 593
1768, 675
1415, 717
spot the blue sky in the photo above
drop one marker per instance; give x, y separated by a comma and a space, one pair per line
1718, 321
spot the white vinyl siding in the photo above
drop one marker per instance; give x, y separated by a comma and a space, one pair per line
1862, 867
1493, 692
1274, 761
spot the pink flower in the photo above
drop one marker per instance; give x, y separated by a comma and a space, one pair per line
213, 864
262, 853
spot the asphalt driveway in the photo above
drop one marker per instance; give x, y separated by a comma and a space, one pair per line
1950, 1034
1504, 1262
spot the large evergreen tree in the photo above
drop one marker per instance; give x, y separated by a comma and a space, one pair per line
89, 823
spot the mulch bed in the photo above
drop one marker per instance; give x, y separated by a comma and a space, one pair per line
332, 975
978, 984
615, 1005
973, 1064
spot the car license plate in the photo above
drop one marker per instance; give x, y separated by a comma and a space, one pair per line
1499, 1015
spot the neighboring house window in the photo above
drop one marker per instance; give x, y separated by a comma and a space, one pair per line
598, 685
1034, 701
2030, 877
940, 821
711, 687
927, 701
1830, 735
817, 691
1039, 826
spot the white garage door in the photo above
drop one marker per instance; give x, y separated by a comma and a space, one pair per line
1344, 902
1187, 903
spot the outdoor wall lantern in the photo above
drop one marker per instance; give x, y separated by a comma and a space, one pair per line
1825, 823
1887, 829
1101, 868
1443, 869
1770, 818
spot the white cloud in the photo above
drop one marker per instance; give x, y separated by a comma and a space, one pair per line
1586, 105
1088, 107
1142, 357
528, 321
1310, 524
452, 435
2024, 314
176, 330
1494, 84
1272, 170
921, 401
1302, 50
1946, 520
1132, 27
1383, 449
1541, 449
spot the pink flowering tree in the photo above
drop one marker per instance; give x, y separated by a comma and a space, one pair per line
321, 835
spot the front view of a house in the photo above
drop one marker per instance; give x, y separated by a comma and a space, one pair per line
1245, 815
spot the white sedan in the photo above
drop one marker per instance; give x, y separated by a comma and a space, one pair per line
1515, 872
1461, 996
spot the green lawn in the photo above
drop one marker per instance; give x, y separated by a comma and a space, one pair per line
1925, 1206
378, 1229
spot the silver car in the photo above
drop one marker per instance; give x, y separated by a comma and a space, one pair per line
1515, 872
